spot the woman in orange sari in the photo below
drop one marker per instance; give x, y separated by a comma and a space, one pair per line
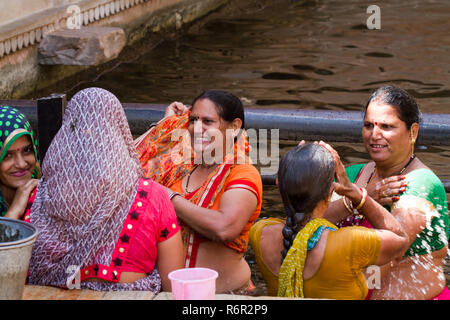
201, 155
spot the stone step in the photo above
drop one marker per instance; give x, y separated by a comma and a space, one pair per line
87, 46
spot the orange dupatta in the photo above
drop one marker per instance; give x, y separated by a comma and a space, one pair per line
166, 159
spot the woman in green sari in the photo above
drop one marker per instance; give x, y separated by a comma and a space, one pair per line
398, 180
19, 167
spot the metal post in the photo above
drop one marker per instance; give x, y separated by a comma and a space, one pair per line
50, 111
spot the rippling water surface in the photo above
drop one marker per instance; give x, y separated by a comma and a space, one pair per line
296, 54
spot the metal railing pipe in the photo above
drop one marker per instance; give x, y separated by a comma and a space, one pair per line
337, 126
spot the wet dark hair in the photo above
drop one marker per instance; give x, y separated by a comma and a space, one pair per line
229, 107
305, 176
407, 108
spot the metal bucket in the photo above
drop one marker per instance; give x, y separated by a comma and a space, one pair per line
16, 241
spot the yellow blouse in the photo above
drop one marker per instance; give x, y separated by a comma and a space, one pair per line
270, 278
348, 251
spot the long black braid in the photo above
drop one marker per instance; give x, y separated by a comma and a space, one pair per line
305, 176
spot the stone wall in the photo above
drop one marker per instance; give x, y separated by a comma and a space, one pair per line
20, 72
11, 10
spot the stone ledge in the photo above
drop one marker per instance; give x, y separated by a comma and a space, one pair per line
88, 46
31, 29
20, 71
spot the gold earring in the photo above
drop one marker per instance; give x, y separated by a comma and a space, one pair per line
413, 141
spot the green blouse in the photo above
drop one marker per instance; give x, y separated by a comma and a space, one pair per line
425, 192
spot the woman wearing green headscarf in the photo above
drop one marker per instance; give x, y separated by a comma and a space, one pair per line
19, 167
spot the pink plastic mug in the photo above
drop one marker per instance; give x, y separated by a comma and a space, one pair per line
193, 284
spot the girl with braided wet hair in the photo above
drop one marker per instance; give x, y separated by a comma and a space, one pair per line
297, 188
308, 256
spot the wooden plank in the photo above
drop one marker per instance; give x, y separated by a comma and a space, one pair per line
49, 293
128, 295
32, 292
244, 297
223, 296
86, 294
164, 296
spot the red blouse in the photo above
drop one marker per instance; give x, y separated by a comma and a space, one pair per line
159, 223
151, 220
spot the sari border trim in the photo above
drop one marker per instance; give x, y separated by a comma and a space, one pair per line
12, 137
244, 184
193, 236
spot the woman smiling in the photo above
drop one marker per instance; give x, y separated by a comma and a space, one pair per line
19, 168
397, 179
216, 192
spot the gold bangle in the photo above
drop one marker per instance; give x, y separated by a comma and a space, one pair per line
346, 205
363, 199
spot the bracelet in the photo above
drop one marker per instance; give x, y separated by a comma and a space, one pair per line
363, 199
173, 194
346, 205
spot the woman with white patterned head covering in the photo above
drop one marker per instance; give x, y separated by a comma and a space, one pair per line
98, 218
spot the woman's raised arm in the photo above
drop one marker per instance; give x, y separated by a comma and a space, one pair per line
394, 240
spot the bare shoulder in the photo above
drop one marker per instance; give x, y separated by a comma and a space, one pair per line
272, 246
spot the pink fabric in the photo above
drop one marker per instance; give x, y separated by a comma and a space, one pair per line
89, 180
365, 223
444, 295
158, 223
354, 221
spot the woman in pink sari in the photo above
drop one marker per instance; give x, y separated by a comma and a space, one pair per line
99, 220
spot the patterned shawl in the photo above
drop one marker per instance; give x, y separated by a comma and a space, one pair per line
14, 124
90, 178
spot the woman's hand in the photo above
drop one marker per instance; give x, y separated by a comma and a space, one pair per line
342, 185
388, 190
177, 108
19, 203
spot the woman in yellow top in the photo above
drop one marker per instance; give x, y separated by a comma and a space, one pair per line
311, 257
